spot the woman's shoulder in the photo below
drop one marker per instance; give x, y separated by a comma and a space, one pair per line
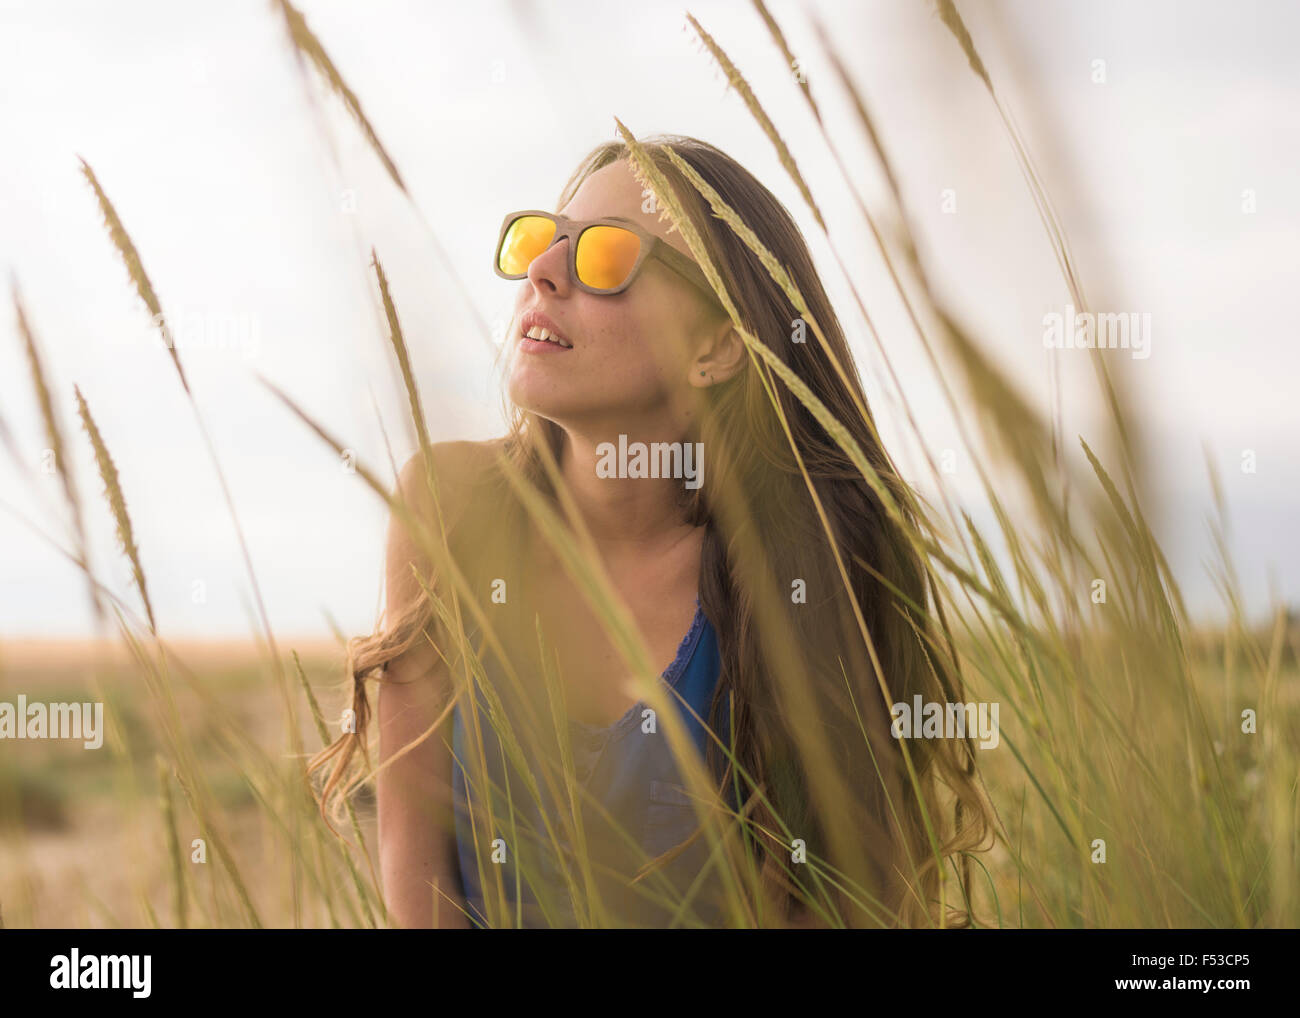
458, 463
460, 471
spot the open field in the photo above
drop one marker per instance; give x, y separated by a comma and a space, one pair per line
83, 836
1146, 772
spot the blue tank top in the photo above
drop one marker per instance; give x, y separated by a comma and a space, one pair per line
640, 810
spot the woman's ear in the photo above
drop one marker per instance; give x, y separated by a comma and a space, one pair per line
722, 356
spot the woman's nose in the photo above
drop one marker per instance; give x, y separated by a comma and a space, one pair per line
550, 269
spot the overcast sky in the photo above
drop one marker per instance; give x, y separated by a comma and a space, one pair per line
254, 201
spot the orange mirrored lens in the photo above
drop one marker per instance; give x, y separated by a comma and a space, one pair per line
527, 237
606, 255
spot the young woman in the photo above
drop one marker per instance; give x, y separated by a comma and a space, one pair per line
779, 589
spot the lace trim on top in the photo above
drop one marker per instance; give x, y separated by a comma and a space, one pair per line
671, 675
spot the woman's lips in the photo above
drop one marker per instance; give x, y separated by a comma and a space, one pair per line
541, 346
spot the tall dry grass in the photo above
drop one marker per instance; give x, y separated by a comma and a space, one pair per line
1121, 723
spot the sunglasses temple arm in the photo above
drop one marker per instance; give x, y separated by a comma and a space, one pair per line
689, 271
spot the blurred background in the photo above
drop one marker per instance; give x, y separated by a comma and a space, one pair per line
254, 200
1165, 133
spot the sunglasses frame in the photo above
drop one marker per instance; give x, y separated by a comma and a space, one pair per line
651, 247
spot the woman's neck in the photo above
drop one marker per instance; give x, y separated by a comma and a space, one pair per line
621, 510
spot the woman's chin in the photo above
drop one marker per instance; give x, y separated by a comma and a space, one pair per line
538, 399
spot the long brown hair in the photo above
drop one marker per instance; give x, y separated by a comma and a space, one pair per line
811, 720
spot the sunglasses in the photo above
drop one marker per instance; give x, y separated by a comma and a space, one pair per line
605, 255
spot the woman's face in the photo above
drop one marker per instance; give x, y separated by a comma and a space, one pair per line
631, 354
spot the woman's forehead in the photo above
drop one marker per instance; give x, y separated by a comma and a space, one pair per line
613, 190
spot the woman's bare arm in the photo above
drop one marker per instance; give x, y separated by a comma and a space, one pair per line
417, 842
